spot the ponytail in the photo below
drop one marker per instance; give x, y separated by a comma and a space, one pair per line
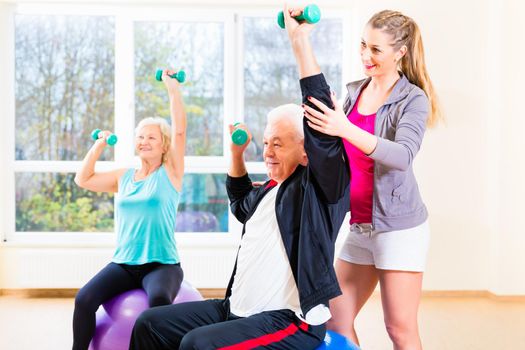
406, 32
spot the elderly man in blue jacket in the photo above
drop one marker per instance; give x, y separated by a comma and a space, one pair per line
283, 277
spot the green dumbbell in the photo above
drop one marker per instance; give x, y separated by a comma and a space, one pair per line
180, 75
311, 14
110, 140
239, 136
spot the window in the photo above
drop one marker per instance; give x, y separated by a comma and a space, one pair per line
64, 68
74, 73
198, 49
270, 71
64, 88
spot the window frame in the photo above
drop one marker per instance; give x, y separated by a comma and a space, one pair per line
124, 110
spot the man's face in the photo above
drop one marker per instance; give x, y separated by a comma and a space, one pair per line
283, 150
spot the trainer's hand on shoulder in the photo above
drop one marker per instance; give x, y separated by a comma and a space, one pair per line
329, 121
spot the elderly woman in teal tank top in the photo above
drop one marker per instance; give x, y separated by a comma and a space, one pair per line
146, 207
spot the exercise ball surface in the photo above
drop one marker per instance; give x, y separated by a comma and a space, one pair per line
116, 317
335, 341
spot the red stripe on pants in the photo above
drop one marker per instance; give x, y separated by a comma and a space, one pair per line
267, 339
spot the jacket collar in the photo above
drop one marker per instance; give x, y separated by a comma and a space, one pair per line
272, 183
400, 90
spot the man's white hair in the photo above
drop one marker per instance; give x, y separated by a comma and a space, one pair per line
289, 112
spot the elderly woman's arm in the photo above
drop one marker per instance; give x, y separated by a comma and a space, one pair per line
87, 178
175, 159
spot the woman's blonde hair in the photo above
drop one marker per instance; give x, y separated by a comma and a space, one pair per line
165, 131
405, 31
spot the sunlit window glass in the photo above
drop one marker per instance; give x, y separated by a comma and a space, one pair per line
64, 84
270, 70
198, 49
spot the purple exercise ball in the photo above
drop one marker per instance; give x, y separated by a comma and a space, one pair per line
116, 317
196, 221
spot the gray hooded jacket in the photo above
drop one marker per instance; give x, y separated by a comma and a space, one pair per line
399, 126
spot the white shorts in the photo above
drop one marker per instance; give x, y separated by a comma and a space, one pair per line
403, 250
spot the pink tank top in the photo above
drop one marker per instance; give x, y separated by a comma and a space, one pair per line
361, 170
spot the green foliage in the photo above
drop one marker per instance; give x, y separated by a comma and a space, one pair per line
61, 206
40, 214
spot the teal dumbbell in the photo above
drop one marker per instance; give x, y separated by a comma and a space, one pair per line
311, 14
110, 140
239, 136
180, 75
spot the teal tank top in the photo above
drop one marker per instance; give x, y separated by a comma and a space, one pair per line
145, 217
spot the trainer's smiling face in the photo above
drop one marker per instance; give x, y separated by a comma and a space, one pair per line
377, 54
283, 150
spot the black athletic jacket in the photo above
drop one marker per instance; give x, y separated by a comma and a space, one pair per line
310, 207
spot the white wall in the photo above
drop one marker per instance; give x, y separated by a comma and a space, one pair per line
6, 105
470, 170
509, 234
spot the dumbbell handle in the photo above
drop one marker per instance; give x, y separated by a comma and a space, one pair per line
311, 14
239, 136
180, 75
110, 140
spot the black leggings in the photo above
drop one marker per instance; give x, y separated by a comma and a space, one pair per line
160, 281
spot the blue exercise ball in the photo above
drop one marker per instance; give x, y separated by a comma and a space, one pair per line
335, 341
